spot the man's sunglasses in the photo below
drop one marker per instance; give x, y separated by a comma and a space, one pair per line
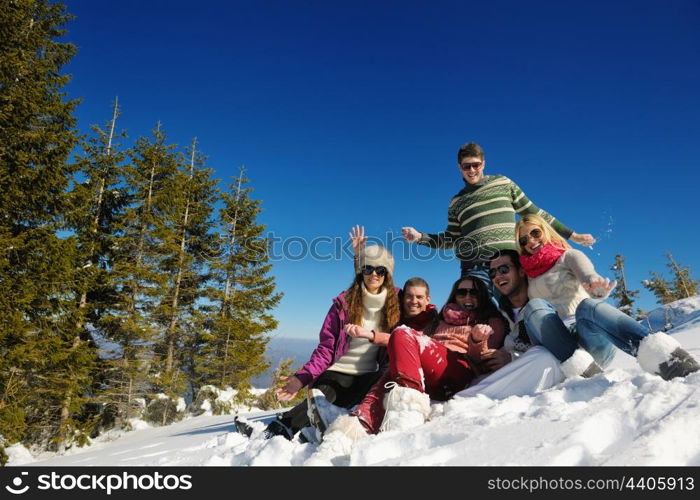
470, 165
502, 269
380, 270
463, 292
535, 233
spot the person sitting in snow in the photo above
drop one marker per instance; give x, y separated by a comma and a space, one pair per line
435, 364
345, 364
519, 367
566, 310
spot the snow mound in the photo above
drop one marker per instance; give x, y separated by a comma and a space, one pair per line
624, 416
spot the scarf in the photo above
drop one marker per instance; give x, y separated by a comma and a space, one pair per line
456, 315
542, 261
420, 321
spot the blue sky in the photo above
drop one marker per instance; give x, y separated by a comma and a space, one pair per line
352, 113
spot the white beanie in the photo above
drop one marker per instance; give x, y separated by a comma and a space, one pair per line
374, 255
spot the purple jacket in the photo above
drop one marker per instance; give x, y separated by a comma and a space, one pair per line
333, 343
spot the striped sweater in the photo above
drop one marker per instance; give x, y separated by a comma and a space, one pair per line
481, 219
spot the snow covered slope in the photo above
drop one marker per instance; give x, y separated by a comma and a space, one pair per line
623, 417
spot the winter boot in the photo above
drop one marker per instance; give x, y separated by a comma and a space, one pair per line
405, 408
321, 412
243, 427
662, 355
580, 364
278, 428
338, 440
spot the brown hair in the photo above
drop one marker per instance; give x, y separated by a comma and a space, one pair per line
417, 282
390, 312
470, 149
549, 235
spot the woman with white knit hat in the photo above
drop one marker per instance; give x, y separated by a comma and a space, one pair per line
347, 360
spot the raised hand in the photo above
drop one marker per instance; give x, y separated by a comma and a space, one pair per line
289, 389
358, 238
410, 234
586, 240
599, 289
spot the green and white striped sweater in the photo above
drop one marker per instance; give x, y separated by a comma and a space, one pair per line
481, 219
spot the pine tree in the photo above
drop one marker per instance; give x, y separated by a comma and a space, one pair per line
660, 288
98, 200
622, 294
187, 242
129, 324
682, 284
235, 344
45, 367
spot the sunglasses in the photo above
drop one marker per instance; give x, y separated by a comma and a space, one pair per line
502, 269
380, 270
535, 233
470, 165
463, 292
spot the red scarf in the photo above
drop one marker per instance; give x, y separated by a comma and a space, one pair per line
457, 315
542, 261
420, 321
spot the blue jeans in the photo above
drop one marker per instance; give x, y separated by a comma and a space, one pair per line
599, 328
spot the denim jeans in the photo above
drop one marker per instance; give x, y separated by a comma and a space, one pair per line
599, 328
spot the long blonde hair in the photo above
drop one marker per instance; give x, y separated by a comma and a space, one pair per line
549, 235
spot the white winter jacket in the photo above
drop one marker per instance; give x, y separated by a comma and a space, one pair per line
561, 285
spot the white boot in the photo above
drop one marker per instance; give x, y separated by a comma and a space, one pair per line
338, 440
662, 355
582, 364
405, 408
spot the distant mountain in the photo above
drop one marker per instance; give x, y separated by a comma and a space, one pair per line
280, 348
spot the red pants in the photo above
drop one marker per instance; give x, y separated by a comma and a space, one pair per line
419, 362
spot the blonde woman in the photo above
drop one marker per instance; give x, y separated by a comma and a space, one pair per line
566, 310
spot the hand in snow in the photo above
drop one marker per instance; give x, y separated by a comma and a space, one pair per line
358, 238
599, 288
290, 389
586, 240
357, 331
494, 359
410, 234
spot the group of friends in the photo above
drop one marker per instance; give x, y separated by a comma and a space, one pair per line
527, 312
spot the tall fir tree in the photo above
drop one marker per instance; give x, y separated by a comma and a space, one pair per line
622, 294
45, 367
129, 323
98, 199
186, 243
234, 350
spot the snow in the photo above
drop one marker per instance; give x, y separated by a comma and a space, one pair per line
622, 417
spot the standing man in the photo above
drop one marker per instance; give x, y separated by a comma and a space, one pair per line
481, 217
